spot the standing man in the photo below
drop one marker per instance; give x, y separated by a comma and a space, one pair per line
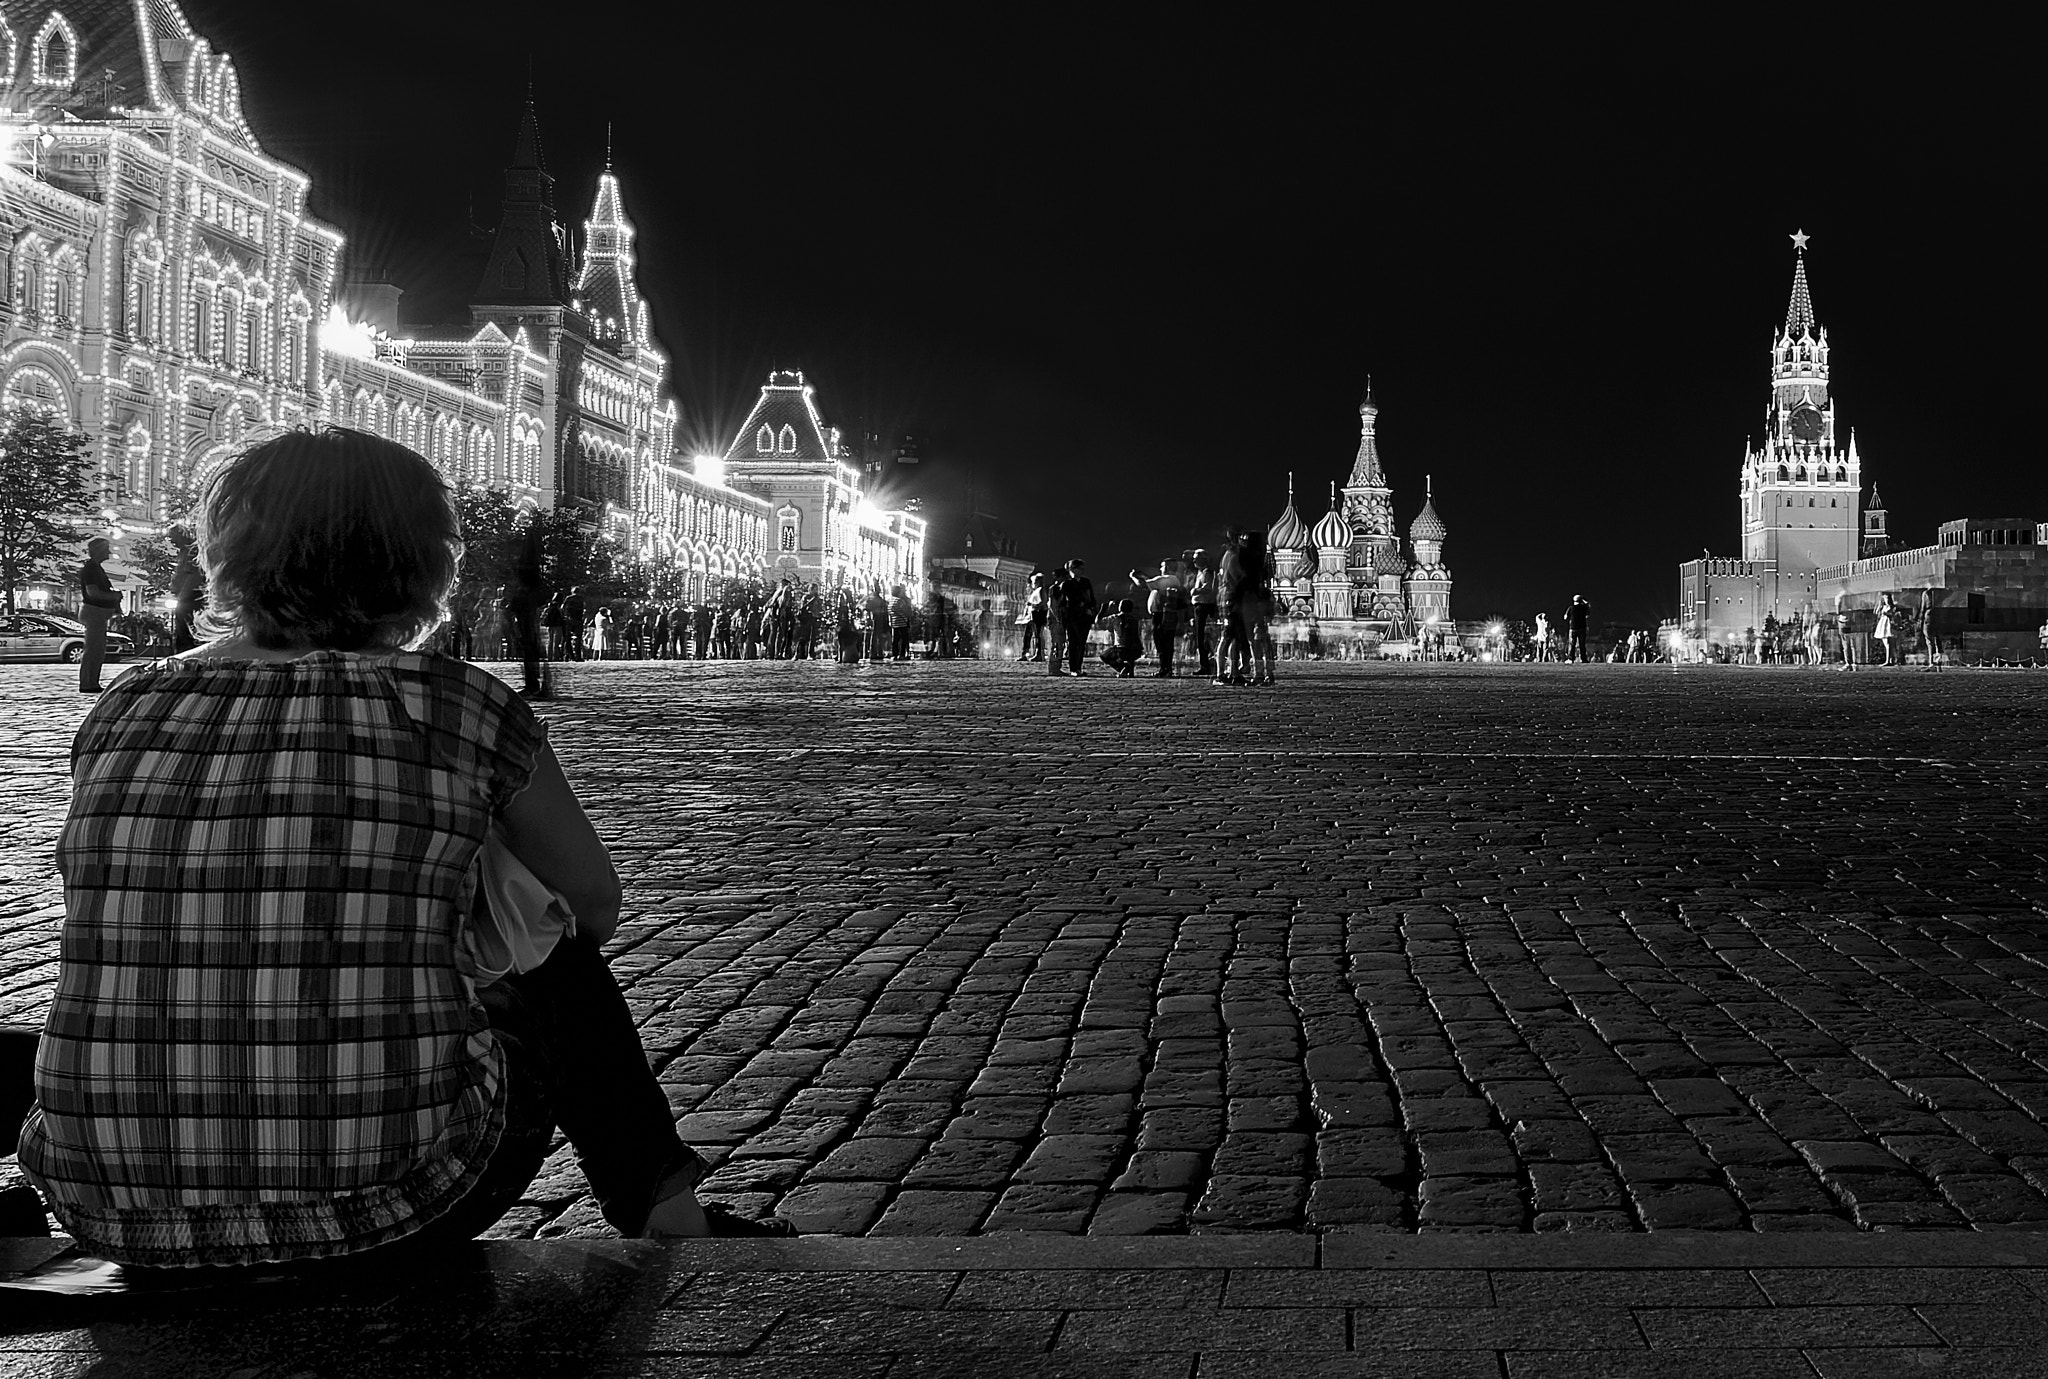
1575, 620
1543, 636
1204, 594
1079, 603
1163, 596
97, 602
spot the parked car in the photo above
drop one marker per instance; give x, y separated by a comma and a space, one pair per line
48, 637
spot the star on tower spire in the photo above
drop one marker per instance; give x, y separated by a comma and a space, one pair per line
1799, 317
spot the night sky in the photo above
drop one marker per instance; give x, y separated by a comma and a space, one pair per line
1124, 274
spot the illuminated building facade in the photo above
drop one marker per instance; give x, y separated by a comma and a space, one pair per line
163, 286
821, 529
1349, 566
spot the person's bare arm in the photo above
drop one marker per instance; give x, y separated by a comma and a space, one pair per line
547, 829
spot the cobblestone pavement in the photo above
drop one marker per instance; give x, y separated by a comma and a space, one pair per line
960, 948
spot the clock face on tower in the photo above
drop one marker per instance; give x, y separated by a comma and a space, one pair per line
1806, 424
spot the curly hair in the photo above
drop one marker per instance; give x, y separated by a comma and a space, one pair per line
336, 539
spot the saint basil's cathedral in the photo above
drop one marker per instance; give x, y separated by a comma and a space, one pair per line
1348, 567
164, 287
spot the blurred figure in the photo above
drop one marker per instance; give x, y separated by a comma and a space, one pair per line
188, 590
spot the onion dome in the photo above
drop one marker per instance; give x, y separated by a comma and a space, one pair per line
1333, 532
1427, 526
1386, 560
1290, 533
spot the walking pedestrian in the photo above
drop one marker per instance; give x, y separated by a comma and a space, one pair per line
1258, 606
523, 600
98, 601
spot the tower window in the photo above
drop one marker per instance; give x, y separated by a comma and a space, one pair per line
1784, 473
765, 441
788, 445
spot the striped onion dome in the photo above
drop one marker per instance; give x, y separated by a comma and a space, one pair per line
1333, 532
1290, 533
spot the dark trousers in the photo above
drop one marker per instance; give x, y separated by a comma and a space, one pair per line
95, 620
526, 627
1034, 636
1203, 613
1077, 644
1575, 644
573, 1059
1164, 634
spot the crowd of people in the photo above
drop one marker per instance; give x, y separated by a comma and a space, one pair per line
790, 620
1218, 618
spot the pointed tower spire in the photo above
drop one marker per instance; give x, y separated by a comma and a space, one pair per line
527, 266
1799, 316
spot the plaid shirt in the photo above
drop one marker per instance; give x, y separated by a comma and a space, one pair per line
261, 1048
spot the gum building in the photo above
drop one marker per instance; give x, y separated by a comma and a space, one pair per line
163, 286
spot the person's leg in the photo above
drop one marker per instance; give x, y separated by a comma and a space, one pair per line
529, 648
570, 1015
95, 620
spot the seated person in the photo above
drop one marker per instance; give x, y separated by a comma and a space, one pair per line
276, 1036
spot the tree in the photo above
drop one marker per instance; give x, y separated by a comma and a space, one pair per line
493, 526
45, 485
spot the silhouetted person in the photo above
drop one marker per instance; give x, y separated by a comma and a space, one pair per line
98, 602
1575, 618
525, 597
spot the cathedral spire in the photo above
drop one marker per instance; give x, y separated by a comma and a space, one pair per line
1799, 316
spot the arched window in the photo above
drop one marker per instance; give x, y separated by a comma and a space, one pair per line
1841, 474
1784, 473
1801, 476
765, 442
788, 445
